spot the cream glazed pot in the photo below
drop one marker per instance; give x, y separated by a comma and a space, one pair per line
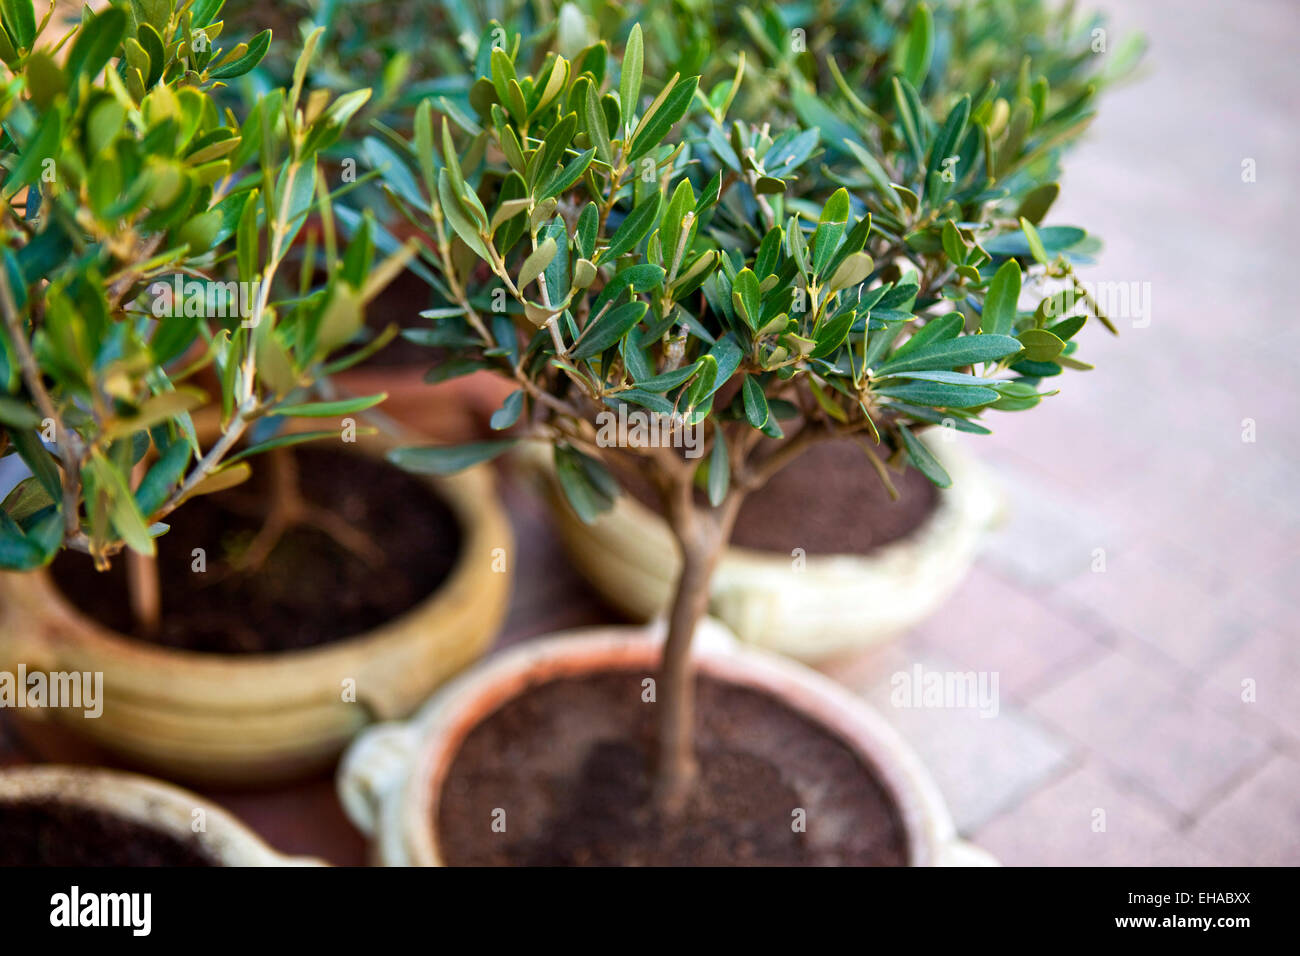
149, 802
259, 719
390, 778
830, 605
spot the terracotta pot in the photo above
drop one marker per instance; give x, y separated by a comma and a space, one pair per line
150, 802
390, 779
833, 605
256, 719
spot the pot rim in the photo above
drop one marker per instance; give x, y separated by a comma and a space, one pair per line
469, 495
153, 803
438, 731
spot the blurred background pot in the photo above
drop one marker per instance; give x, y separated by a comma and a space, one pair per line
391, 779
114, 809
808, 605
256, 718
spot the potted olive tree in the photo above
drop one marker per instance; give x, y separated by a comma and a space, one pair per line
681, 300
153, 346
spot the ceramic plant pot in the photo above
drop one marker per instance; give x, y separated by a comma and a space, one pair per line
151, 803
262, 718
831, 605
391, 778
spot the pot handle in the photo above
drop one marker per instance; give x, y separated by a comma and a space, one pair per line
961, 853
373, 768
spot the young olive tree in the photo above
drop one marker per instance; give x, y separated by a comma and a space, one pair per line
609, 239
143, 230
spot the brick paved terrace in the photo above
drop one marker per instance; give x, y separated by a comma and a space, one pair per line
1160, 691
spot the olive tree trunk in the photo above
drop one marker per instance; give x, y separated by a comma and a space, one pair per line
702, 535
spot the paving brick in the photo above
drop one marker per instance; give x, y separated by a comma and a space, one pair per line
1087, 818
1188, 755
1256, 686
1104, 702
992, 625
1258, 824
1173, 600
1047, 535
983, 765
1135, 717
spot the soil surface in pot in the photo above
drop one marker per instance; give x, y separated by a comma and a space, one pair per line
566, 762
52, 833
830, 500
311, 589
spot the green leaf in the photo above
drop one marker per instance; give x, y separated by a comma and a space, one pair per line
447, 459
566, 177
454, 211
537, 262
587, 484
943, 328
951, 353
164, 476
123, 512
920, 46
747, 297
668, 380
852, 271
719, 468
1041, 345
344, 406
999, 316
634, 228
1035, 243
1055, 239
18, 414
924, 461
830, 229
34, 454
509, 412
587, 231
629, 81
257, 48
656, 127
43, 145
20, 19
940, 394
597, 131
282, 441
17, 552
756, 410
608, 329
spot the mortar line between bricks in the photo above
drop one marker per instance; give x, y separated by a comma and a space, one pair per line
1225, 792
1071, 764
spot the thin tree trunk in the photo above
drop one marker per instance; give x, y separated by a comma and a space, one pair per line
702, 535
146, 594
142, 583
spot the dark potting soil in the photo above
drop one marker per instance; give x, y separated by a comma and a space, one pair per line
53, 833
566, 763
311, 590
830, 500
